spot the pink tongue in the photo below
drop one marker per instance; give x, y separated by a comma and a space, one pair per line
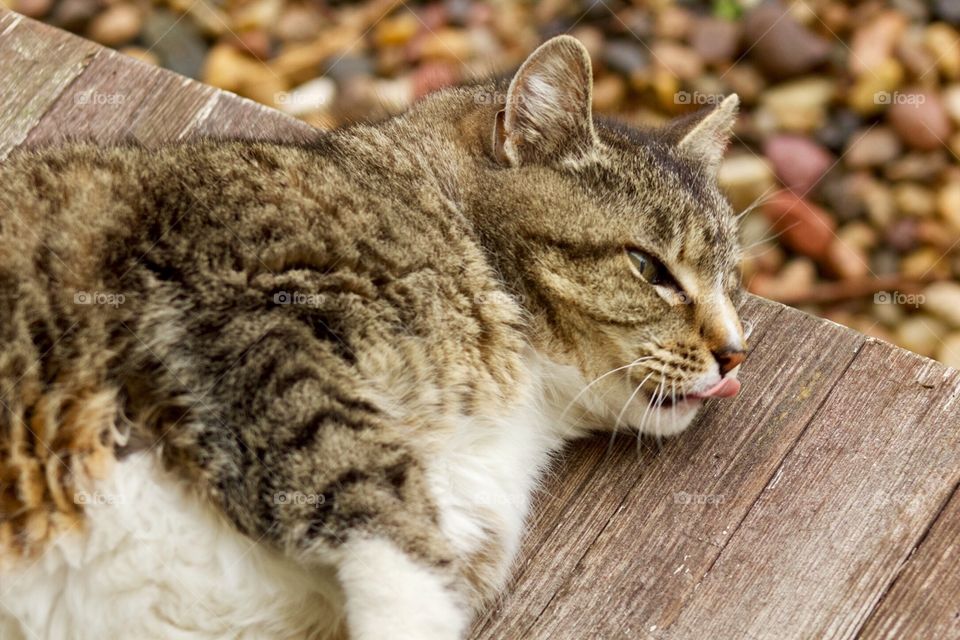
726, 388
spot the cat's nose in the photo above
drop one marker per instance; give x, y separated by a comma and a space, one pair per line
729, 360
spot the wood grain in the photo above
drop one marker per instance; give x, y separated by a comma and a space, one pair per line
845, 509
119, 99
37, 64
924, 601
822, 502
690, 501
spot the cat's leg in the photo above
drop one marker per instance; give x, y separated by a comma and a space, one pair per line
391, 595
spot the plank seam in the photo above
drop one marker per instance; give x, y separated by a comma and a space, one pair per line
859, 350
85, 65
613, 513
909, 556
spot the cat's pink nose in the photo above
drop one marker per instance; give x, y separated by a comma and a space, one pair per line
729, 360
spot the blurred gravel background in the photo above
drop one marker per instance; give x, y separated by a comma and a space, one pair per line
848, 145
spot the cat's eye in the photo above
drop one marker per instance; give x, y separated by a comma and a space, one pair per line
649, 268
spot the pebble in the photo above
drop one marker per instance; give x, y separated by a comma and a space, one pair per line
745, 177
948, 204
878, 201
226, 67
625, 56
314, 95
858, 234
255, 43
805, 227
914, 53
800, 105
921, 333
744, 80
902, 235
873, 91
925, 262
795, 279
885, 262
72, 15
872, 147
949, 352
781, 45
682, 62
873, 43
951, 102
943, 300
914, 200
432, 76
920, 119
608, 92
841, 193
448, 44
838, 130
944, 44
675, 23
798, 161
297, 22
33, 8
716, 40
141, 54
924, 167
396, 30
846, 261
948, 11
177, 43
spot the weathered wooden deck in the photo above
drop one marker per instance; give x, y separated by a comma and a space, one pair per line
822, 502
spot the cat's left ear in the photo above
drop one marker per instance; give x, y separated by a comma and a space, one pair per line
704, 136
548, 109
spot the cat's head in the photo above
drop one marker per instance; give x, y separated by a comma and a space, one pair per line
621, 244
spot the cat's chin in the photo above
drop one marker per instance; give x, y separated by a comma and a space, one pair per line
663, 421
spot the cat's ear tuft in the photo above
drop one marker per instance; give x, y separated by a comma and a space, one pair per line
548, 112
704, 136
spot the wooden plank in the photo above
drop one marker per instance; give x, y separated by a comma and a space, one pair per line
843, 512
564, 527
121, 99
924, 602
232, 117
690, 500
594, 591
37, 63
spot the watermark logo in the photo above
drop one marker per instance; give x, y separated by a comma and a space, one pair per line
896, 97
99, 99
298, 298
85, 498
314, 500
99, 298
898, 297
682, 497
697, 98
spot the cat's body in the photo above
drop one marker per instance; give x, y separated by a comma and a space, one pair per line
360, 353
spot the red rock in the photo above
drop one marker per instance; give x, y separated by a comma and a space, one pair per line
804, 227
799, 162
920, 119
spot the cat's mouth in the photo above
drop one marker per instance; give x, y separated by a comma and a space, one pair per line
725, 388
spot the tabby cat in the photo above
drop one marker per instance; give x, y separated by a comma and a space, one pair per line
306, 390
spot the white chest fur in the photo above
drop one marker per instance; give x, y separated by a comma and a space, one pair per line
155, 562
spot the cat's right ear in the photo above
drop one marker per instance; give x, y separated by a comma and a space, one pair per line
548, 108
